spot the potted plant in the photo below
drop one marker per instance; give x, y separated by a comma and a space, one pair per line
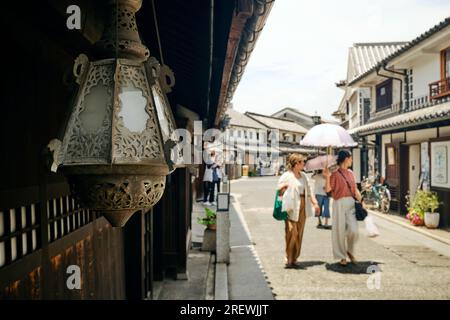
431, 204
209, 220
415, 208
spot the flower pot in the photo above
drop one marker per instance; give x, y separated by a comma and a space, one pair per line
211, 226
431, 220
209, 240
416, 220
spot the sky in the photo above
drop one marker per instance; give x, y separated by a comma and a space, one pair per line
302, 50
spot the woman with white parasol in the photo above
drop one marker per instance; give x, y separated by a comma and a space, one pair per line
341, 183
342, 186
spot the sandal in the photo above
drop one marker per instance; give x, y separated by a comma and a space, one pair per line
352, 258
343, 262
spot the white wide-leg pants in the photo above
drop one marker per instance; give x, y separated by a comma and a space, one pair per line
344, 231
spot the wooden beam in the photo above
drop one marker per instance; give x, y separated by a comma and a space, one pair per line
242, 12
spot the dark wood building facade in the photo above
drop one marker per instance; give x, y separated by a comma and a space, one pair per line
43, 230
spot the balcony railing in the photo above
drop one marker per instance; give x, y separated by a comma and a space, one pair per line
419, 103
425, 101
439, 94
440, 88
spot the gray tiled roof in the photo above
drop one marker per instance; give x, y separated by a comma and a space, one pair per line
277, 123
405, 48
427, 115
241, 120
365, 56
295, 110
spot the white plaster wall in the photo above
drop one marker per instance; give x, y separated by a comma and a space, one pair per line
356, 167
371, 155
251, 135
276, 134
365, 92
398, 137
444, 131
396, 91
414, 168
421, 135
426, 69
373, 97
354, 116
244, 131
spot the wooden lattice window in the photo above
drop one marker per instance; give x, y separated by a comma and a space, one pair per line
384, 95
21, 227
64, 216
19, 233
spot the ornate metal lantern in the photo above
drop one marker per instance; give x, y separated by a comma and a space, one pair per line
115, 150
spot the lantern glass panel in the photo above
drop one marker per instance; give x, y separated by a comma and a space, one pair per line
95, 108
133, 112
160, 110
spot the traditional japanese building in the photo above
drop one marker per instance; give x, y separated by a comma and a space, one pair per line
303, 119
286, 132
398, 107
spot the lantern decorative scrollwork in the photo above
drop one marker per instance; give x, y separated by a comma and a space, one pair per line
114, 150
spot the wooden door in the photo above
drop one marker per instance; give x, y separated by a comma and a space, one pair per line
392, 152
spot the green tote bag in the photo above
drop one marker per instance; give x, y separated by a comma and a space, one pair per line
277, 213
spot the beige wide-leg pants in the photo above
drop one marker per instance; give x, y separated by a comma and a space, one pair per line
294, 234
344, 231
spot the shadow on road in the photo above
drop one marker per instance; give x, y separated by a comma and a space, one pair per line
306, 264
361, 267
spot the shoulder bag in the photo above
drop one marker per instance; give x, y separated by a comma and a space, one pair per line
360, 212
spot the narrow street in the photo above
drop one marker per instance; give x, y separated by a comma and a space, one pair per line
411, 265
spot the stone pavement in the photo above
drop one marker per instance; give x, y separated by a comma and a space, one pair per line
198, 286
242, 279
200, 269
246, 278
410, 265
442, 235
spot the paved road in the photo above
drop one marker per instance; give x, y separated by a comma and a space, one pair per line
411, 266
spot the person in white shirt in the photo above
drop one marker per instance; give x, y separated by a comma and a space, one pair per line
322, 198
208, 186
295, 182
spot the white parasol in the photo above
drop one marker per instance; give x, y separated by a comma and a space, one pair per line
328, 135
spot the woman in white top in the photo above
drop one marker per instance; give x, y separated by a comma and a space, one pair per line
304, 204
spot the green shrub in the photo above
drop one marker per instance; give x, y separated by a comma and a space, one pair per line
209, 219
